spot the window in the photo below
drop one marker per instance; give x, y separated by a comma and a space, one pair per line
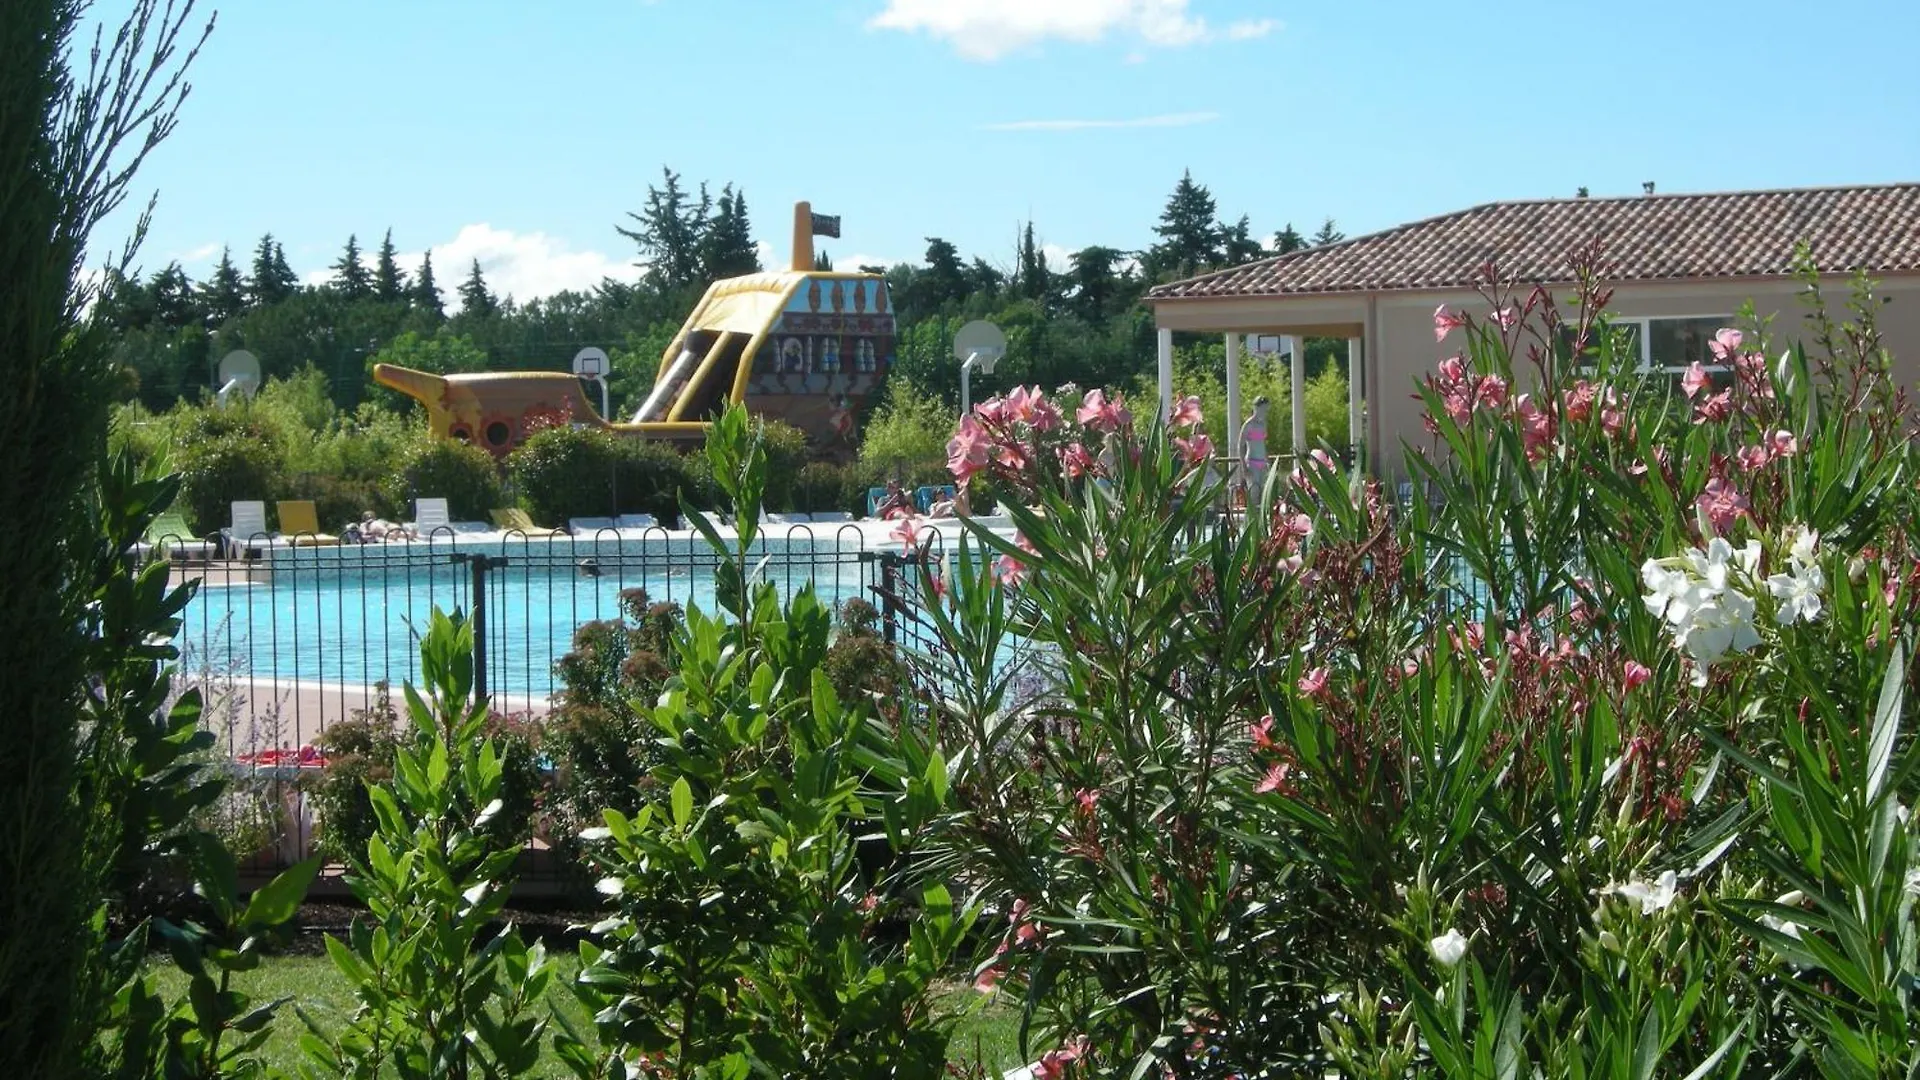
1666, 343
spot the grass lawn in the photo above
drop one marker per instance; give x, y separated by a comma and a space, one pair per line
987, 1033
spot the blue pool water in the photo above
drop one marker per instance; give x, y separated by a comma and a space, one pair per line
346, 616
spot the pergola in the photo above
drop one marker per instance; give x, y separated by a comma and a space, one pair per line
1293, 321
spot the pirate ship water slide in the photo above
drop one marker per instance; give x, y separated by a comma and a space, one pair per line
808, 347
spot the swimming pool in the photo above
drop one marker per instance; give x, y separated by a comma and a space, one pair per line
347, 616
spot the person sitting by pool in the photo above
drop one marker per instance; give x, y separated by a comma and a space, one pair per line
373, 528
949, 506
895, 503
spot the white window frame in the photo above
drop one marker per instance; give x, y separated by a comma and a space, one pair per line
1643, 325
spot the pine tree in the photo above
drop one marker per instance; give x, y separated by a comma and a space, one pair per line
389, 284
1189, 235
475, 300
983, 281
822, 262
350, 274
173, 299
1328, 235
1036, 281
1095, 278
944, 280
668, 233
1238, 246
425, 295
1288, 240
726, 240
273, 280
224, 295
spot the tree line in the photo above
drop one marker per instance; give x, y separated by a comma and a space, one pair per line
1080, 323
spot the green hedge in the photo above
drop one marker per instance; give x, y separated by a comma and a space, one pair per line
564, 473
464, 475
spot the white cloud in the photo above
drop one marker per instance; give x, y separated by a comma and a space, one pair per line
203, 253
1167, 120
986, 30
525, 266
1058, 259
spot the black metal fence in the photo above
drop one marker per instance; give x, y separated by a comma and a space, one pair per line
287, 636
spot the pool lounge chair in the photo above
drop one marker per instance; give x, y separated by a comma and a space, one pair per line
587, 526
874, 496
786, 519
171, 537
248, 535
300, 524
514, 519
636, 521
429, 515
832, 517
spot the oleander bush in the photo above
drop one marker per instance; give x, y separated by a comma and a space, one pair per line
1588, 756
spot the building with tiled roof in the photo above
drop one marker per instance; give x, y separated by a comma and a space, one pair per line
1681, 265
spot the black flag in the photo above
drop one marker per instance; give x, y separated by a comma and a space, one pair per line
826, 226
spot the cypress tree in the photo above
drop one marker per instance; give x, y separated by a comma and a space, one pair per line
425, 294
350, 275
273, 280
475, 300
1190, 236
389, 284
224, 295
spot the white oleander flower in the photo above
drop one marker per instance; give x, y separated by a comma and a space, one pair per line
1652, 898
1798, 591
1448, 949
1699, 595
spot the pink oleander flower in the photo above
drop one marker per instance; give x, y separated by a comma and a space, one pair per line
1714, 407
1325, 459
1089, 801
1012, 456
1726, 344
1009, 570
1446, 322
967, 450
1612, 420
1046, 415
1019, 408
988, 979
1187, 412
1492, 392
1507, 316
1075, 461
1195, 450
1260, 733
1100, 414
1053, 1064
1314, 683
1783, 444
992, 411
1276, 778
1695, 380
1027, 933
1722, 504
1536, 427
1636, 674
908, 532
1453, 370
1753, 457
1017, 913
937, 583
1296, 525
1578, 401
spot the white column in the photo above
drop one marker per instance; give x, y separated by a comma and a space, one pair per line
1299, 388
1355, 366
1166, 374
1233, 403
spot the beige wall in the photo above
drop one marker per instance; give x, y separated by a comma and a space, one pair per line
1402, 350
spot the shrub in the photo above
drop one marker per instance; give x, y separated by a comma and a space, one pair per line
463, 474
907, 434
787, 455
362, 749
564, 473
223, 462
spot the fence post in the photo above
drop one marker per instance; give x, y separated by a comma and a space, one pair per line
481, 565
890, 595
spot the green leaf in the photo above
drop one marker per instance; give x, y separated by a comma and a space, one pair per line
1886, 722
274, 903
682, 798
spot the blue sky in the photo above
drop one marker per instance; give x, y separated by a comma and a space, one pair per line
521, 133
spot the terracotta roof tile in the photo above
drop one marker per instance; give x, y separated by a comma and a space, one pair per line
1645, 238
